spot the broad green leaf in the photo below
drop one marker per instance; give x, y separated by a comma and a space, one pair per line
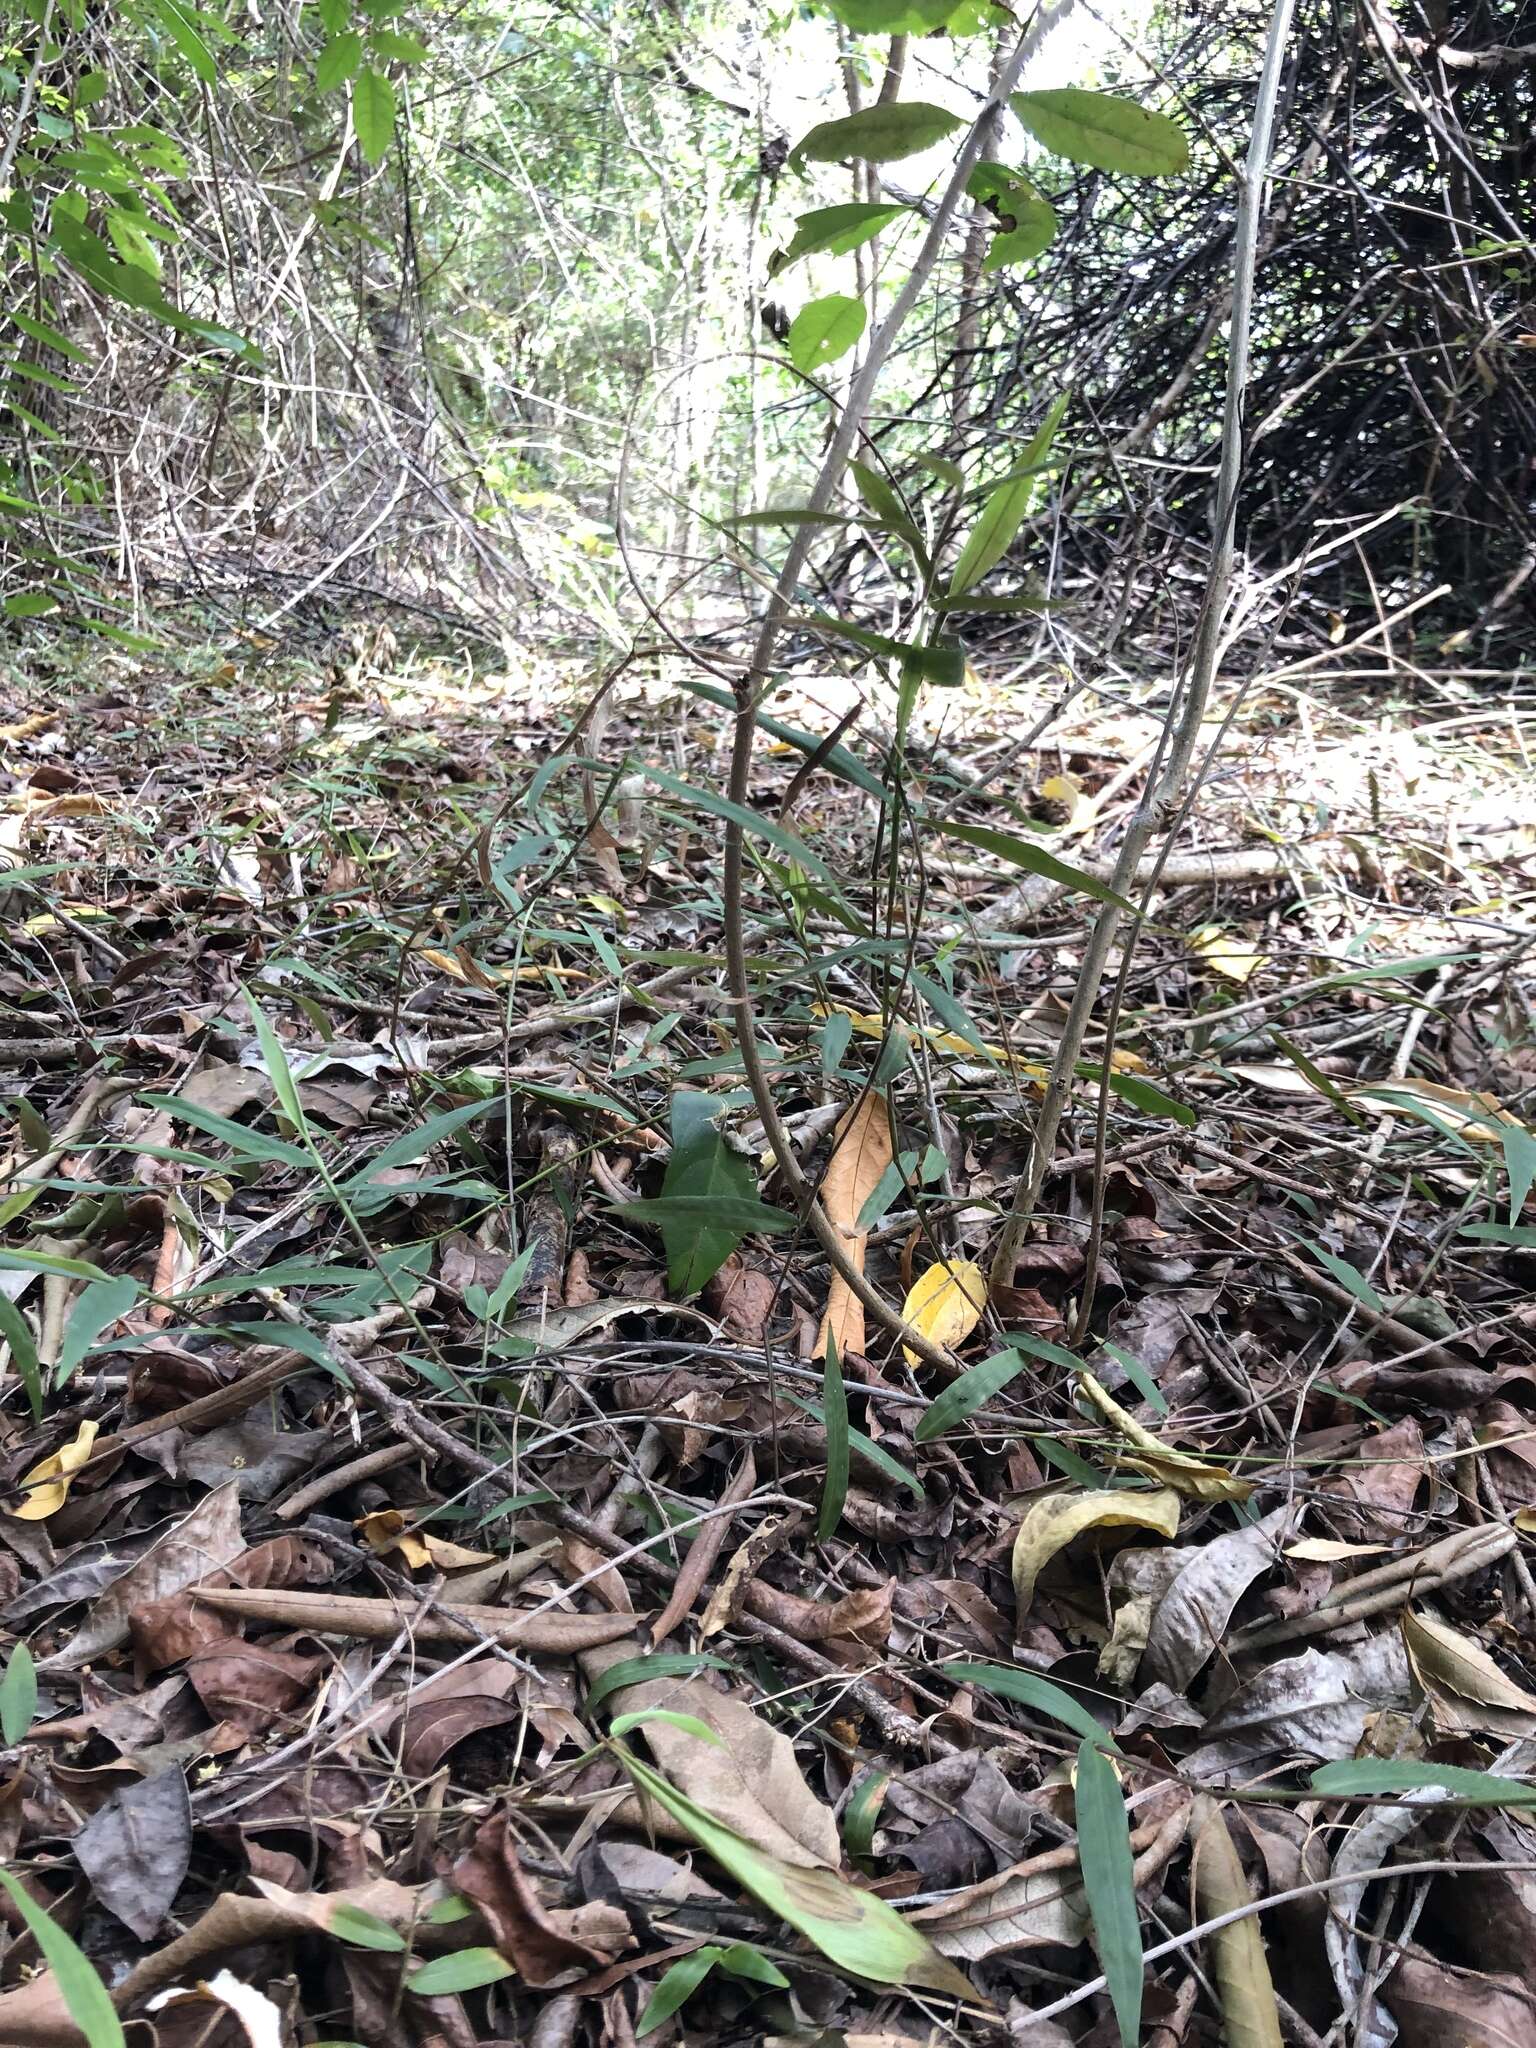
856, 1930
1100, 129
834, 1409
967, 1392
100, 1304
836, 230
1520, 1165
1109, 1882
373, 114
84, 1995
18, 1695
881, 134
740, 1960
824, 330
397, 46
792, 515
413, 1145
640, 1670
17, 1333
365, 1930
1028, 1690
1005, 511
744, 1960
340, 60
1376, 1777
942, 663
1026, 223
705, 1170
467, 1969
1023, 853
892, 17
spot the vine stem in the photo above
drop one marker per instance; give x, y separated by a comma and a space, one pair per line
1170, 775
754, 685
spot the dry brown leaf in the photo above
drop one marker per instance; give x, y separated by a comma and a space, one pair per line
1466, 1690
1436, 2006
548, 1945
859, 1158
190, 1550
751, 1781
1250, 2015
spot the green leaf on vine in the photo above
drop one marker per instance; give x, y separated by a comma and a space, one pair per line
339, 61
373, 113
835, 229
824, 330
1100, 129
877, 135
1026, 223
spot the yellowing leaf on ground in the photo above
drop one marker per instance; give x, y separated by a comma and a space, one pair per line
857, 1930
47, 1484
1466, 1689
945, 1304
388, 1529
859, 1159
1050, 1525
1472, 1113
464, 968
1248, 2009
1324, 1550
1224, 954
870, 1024
1185, 1473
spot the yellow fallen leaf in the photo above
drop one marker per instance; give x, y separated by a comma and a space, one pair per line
1051, 1524
1525, 1521
1224, 954
1323, 1550
47, 1485
1185, 1473
1466, 1690
385, 1530
870, 1024
29, 727
945, 1304
466, 969
1470, 1113
859, 1159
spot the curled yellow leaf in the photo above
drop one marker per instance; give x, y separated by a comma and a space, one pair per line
945, 1304
1185, 1473
47, 1484
1051, 1524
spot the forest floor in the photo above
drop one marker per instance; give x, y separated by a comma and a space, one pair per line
410, 1378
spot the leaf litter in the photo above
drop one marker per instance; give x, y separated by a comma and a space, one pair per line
471, 1571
